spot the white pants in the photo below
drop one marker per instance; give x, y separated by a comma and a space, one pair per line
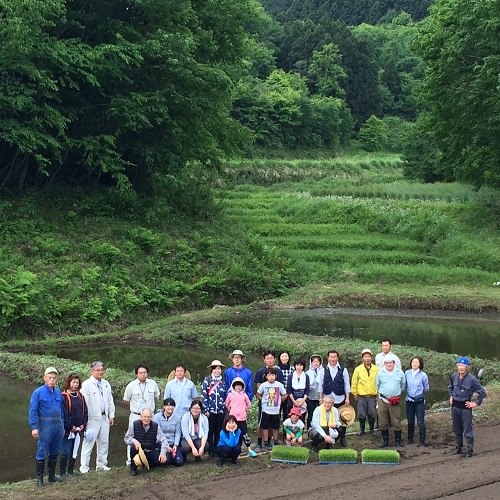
133, 417
101, 433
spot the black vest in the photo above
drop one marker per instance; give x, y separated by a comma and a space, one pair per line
335, 385
147, 439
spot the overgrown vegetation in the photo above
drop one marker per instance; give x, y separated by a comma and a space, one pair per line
80, 262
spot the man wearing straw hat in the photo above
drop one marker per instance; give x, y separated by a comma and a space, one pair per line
46, 422
143, 437
239, 370
181, 389
142, 392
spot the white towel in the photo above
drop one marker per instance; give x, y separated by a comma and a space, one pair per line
202, 432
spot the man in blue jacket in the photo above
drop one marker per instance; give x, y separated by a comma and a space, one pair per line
461, 388
46, 421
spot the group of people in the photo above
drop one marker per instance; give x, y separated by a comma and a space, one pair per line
290, 397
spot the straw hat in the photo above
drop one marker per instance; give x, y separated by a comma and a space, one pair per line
347, 414
171, 375
140, 459
216, 362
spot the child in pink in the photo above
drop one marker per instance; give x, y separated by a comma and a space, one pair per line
237, 404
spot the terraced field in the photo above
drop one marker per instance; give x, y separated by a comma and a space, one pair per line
362, 222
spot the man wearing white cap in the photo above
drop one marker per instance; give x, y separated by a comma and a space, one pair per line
142, 392
46, 422
364, 390
239, 370
390, 384
461, 388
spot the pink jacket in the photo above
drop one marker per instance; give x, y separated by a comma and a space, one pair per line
238, 403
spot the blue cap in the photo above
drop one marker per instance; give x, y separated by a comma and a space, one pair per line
463, 360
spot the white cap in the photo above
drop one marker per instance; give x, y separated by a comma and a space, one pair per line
51, 369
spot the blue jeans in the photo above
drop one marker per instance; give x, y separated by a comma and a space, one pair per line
413, 410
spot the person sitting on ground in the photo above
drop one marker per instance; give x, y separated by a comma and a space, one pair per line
294, 427
170, 423
271, 394
324, 424
238, 404
145, 435
194, 426
229, 446
75, 421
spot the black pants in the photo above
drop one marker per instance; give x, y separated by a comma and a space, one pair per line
225, 452
215, 421
152, 456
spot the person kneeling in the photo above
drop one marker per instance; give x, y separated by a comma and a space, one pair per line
324, 424
229, 447
147, 440
293, 427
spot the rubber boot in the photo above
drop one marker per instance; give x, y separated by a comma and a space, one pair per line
71, 465
342, 432
458, 446
362, 422
133, 469
470, 448
422, 438
40, 469
62, 466
411, 432
371, 423
52, 470
385, 439
397, 439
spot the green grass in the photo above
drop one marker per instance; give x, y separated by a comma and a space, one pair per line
346, 455
292, 453
380, 456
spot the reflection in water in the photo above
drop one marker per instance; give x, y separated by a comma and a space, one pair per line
456, 333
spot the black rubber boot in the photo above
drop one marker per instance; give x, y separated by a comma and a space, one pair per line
459, 443
52, 470
422, 438
385, 439
371, 423
62, 466
470, 448
221, 462
362, 422
133, 469
40, 469
411, 432
343, 442
397, 439
71, 465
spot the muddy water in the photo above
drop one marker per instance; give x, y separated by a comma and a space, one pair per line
456, 333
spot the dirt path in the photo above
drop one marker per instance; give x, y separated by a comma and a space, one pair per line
423, 474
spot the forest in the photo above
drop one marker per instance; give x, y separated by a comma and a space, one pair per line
125, 124
139, 94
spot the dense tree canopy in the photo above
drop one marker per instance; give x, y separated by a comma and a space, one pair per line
460, 42
119, 90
